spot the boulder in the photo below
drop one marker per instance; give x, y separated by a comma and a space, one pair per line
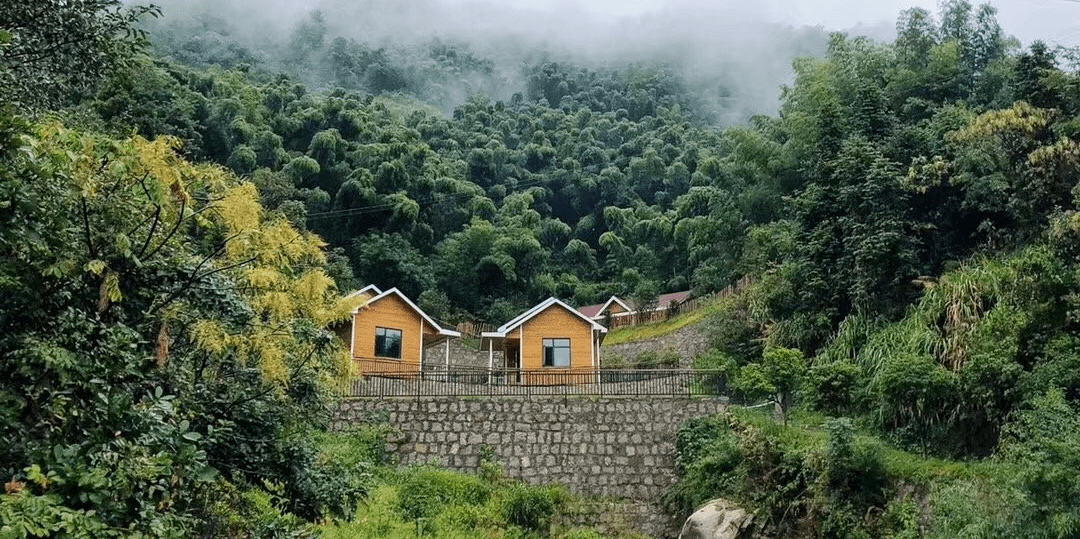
717, 519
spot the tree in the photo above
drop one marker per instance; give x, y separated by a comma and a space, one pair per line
1042, 444
161, 331
776, 377
858, 241
56, 51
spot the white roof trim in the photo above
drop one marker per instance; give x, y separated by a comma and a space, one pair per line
367, 288
428, 319
616, 300
525, 316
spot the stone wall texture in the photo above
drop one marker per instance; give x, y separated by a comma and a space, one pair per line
461, 355
623, 448
688, 342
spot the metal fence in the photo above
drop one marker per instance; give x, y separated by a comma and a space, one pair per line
410, 381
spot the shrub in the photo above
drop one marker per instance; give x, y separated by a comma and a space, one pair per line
1042, 444
254, 512
648, 359
830, 387
490, 469
715, 359
614, 360
426, 492
713, 384
979, 511
709, 456
916, 397
853, 472
331, 487
465, 518
792, 482
735, 333
666, 358
583, 533
698, 436
531, 507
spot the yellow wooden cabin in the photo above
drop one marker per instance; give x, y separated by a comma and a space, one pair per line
552, 343
390, 334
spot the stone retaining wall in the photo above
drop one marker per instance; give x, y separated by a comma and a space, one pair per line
618, 447
688, 342
461, 355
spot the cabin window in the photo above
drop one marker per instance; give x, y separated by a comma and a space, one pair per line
388, 343
556, 352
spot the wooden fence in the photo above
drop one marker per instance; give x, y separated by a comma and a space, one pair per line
474, 329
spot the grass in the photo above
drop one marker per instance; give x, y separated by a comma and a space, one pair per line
425, 501
659, 329
377, 517
470, 342
806, 430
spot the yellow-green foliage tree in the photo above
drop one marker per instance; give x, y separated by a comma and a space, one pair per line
165, 345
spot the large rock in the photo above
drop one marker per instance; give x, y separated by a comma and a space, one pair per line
718, 519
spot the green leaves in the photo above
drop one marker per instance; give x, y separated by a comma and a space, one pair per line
57, 51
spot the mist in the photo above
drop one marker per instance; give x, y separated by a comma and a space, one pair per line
729, 54
734, 57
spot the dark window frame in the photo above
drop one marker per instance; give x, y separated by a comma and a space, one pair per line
551, 345
382, 345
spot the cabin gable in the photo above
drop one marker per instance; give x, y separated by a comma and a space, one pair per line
556, 322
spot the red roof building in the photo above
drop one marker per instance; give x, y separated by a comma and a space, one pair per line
618, 307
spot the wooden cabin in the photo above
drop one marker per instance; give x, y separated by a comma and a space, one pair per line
552, 343
612, 307
616, 312
366, 293
343, 329
390, 334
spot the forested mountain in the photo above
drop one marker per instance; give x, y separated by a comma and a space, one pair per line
184, 205
444, 53
592, 181
584, 181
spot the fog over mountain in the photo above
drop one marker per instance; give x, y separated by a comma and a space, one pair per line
734, 56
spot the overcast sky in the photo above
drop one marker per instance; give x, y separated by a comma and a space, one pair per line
1055, 21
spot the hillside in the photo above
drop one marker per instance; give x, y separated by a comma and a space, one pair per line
186, 203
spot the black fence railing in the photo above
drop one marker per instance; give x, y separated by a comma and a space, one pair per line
476, 382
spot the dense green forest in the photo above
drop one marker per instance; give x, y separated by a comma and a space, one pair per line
183, 210
587, 182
